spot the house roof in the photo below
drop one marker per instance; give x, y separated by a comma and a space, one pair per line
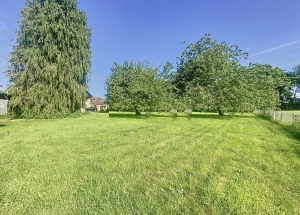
3, 95
89, 95
97, 101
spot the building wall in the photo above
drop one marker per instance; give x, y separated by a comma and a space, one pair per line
3, 106
87, 103
97, 103
101, 107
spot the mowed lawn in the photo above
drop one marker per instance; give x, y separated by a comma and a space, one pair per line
96, 164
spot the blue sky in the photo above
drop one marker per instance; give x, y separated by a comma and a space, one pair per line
153, 30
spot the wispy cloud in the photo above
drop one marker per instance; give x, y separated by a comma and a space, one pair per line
275, 48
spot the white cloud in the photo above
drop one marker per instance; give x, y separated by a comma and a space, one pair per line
275, 48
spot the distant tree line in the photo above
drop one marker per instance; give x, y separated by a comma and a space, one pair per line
208, 77
293, 100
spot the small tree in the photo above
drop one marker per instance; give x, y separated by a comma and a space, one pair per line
50, 63
137, 87
207, 75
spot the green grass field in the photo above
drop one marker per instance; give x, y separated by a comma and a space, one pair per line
123, 164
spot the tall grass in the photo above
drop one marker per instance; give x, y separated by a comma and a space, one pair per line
95, 164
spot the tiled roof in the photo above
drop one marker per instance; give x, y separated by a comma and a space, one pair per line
3, 96
89, 95
97, 101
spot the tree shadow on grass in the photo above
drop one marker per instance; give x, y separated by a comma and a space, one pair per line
4, 121
292, 130
215, 116
125, 115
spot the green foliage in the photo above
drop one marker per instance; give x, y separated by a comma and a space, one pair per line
138, 87
207, 75
295, 80
210, 77
266, 88
50, 63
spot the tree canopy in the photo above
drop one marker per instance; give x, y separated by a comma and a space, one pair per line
295, 79
210, 77
50, 62
138, 87
266, 87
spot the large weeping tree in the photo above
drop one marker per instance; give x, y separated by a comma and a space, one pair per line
50, 62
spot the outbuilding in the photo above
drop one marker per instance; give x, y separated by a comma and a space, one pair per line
3, 103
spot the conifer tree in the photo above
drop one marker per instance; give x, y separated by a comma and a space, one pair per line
50, 62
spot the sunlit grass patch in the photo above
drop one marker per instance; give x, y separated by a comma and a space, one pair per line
98, 164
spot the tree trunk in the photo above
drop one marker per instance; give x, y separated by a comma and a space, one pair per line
137, 111
221, 112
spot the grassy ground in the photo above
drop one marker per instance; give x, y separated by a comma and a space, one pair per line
124, 164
